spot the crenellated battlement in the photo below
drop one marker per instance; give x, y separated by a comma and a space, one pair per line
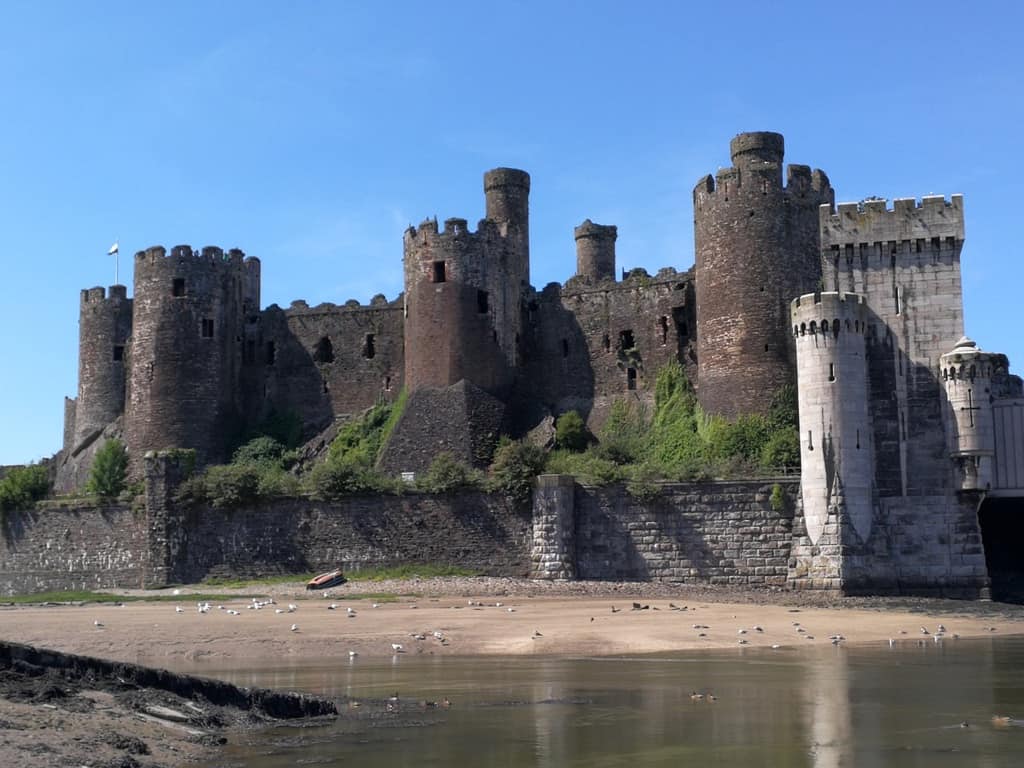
210, 254
828, 314
801, 181
873, 221
454, 229
377, 303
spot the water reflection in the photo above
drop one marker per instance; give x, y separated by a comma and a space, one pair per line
821, 708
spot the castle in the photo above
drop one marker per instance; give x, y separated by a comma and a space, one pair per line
901, 416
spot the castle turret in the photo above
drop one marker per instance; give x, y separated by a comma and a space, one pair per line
508, 205
463, 292
966, 374
187, 333
104, 324
836, 464
757, 247
595, 251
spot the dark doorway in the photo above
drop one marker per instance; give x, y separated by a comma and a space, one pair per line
323, 352
1002, 532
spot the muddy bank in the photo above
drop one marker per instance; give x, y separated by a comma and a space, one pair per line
59, 709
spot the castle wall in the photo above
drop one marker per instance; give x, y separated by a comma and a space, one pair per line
324, 361
757, 248
905, 262
921, 545
583, 340
59, 548
104, 324
715, 533
186, 355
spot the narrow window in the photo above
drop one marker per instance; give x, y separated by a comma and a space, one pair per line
439, 272
481, 302
387, 383
271, 352
631, 378
831, 371
810, 441
626, 340
606, 342
326, 388
765, 347
207, 329
663, 325
368, 348
858, 439
565, 348
178, 286
118, 353
323, 352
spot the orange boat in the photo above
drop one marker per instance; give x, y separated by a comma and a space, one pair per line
326, 580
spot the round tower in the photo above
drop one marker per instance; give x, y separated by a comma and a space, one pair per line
836, 456
595, 250
187, 332
966, 374
757, 248
461, 312
104, 324
507, 191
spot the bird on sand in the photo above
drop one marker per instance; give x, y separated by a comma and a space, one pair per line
694, 696
295, 627
397, 648
615, 610
179, 609
98, 624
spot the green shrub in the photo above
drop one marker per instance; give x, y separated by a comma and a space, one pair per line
782, 449
359, 441
22, 487
109, 468
331, 480
276, 482
231, 485
445, 474
515, 466
777, 498
589, 467
642, 482
260, 450
571, 432
623, 436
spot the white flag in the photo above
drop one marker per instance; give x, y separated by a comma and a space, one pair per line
113, 249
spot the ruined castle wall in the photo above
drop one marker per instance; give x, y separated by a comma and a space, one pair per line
906, 263
470, 530
589, 344
717, 533
186, 355
57, 548
757, 246
104, 324
323, 362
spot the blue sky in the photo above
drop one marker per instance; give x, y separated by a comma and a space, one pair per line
310, 134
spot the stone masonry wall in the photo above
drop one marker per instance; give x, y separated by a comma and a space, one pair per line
715, 532
471, 530
57, 548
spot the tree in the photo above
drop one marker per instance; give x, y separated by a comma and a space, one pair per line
109, 468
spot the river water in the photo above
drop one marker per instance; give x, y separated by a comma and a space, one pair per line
823, 708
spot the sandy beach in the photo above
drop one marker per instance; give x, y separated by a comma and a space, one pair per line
478, 616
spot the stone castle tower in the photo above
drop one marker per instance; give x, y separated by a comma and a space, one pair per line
104, 324
186, 348
463, 292
836, 457
757, 247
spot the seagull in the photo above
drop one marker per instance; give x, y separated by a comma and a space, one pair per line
397, 648
439, 635
615, 610
179, 609
892, 643
375, 605
279, 610
758, 629
292, 607
742, 632
924, 631
332, 607
498, 605
295, 627
743, 642
942, 628
97, 624
536, 633
511, 610
352, 654
694, 696
232, 612
350, 610
776, 647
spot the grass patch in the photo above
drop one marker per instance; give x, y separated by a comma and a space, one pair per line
279, 578
408, 572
